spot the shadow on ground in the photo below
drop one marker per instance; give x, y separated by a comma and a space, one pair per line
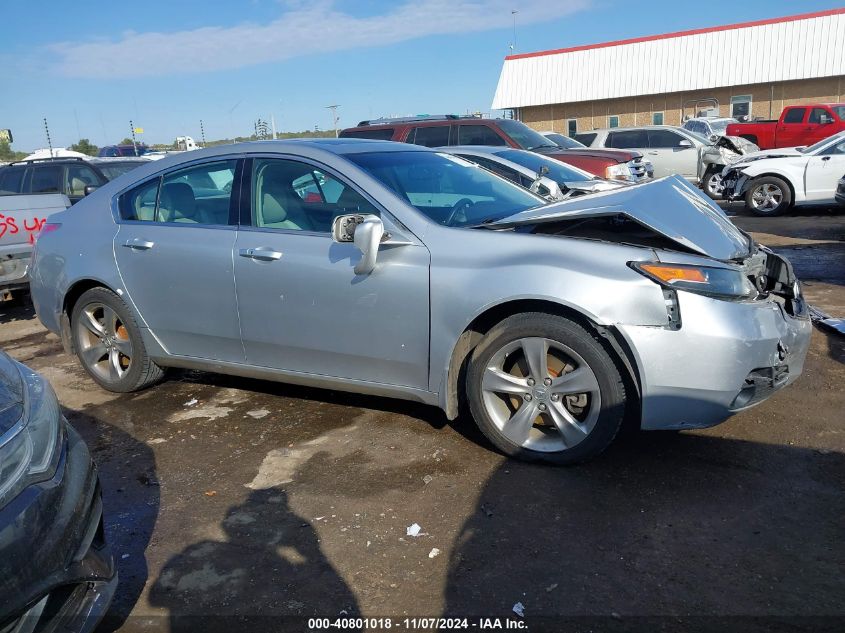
664, 524
130, 487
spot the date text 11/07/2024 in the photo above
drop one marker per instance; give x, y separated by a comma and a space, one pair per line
416, 624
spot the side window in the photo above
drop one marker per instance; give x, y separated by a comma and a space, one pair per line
11, 179
794, 115
496, 168
430, 136
383, 134
817, 115
79, 177
295, 196
836, 149
627, 139
478, 135
197, 195
586, 139
663, 139
139, 204
46, 179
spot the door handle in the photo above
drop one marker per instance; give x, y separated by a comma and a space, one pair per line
261, 253
138, 244
825, 157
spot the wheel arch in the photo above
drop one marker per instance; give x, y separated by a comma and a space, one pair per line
774, 174
614, 343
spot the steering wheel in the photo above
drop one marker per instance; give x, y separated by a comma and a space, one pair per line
461, 205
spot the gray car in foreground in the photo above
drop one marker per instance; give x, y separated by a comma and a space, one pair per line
396, 270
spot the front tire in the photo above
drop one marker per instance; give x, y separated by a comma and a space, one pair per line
542, 388
108, 343
712, 183
768, 196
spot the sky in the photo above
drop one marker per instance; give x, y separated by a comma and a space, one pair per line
91, 66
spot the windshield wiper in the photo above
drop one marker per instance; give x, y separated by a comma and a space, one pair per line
531, 149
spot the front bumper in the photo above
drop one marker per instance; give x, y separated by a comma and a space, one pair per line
56, 570
840, 192
735, 183
726, 356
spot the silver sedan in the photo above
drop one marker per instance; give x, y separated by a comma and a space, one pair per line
395, 270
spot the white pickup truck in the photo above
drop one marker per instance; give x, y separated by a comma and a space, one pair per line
21, 218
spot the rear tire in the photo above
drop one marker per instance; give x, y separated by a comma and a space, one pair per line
108, 343
542, 388
768, 196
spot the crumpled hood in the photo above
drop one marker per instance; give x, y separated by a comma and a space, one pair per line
669, 206
770, 153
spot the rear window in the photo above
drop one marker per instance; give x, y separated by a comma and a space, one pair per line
795, 115
586, 139
382, 134
627, 139
11, 179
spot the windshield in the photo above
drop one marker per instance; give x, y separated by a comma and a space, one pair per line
564, 141
698, 137
524, 136
558, 171
445, 188
820, 144
113, 170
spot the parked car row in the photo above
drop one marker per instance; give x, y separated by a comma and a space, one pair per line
451, 130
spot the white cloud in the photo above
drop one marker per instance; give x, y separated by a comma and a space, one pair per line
302, 29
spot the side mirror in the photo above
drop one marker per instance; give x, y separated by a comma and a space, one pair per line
366, 232
89, 189
684, 143
826, 119
714, 138
535, 185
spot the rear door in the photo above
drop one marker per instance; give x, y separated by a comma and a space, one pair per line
824, 171
792, 128
429, 135
473, 134
302, 307
174, 252
669, 154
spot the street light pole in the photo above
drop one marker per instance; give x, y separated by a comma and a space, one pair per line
335, 118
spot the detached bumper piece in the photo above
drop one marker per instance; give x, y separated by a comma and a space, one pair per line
735, 184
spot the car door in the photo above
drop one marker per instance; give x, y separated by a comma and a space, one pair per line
302, 307
791, 130
824, 171
174, 252
672, 153
818, 125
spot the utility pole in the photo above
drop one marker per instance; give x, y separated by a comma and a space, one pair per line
513, 42
335, 118
49, 142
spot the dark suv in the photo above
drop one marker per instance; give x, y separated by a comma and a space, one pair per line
70, 176
449, 129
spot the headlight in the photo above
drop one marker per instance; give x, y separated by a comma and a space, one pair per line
620, 171
30, 450
716, 282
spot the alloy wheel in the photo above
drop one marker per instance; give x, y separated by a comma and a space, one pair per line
541, 394
767, 197
103, 341
714, 185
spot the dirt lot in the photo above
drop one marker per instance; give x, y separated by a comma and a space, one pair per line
233, 496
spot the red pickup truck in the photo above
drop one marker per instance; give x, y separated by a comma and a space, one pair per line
798, 125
